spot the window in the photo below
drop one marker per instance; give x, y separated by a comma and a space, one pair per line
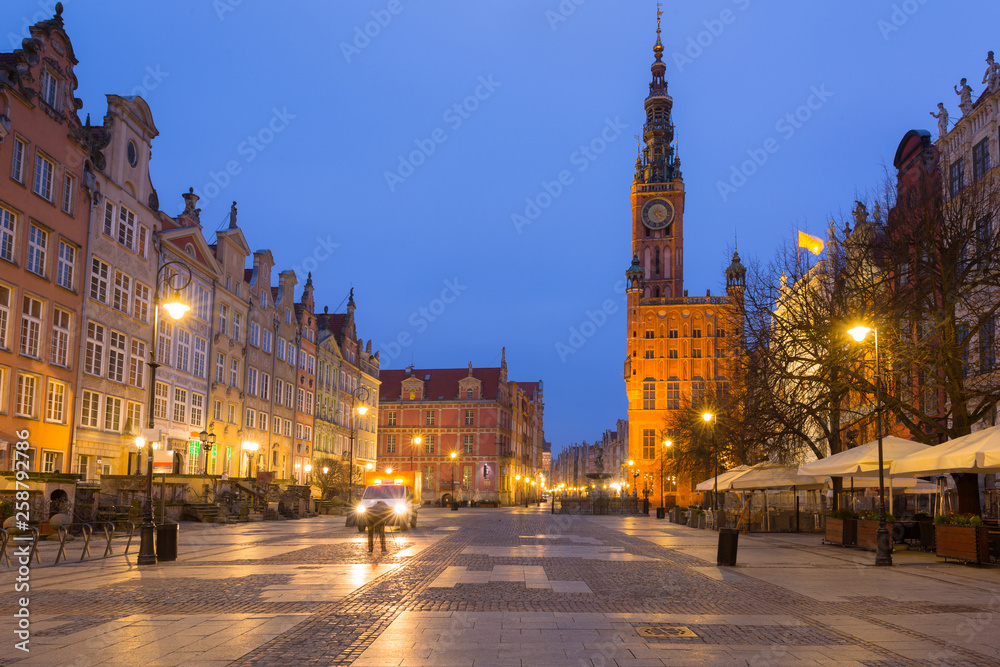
217, 410
234, 372
27, 386
722, 388
262, 421
956, 176
980, 159
303, 359
696, 333
720, 333
116, 356
288, 428
17, 161
126, 228
290, 350
649, 333
648, 443
429, 418
672, 354
649, 354
696, 353
698, 392
987, 346
31, 326
67, 264
237, 326
309, 403
265, 387
390, 444
165, 342
649, 396
45, 169
8, 227
4, 316
99, 272
470, 417
312, 365
467, 443
232, 413
183, 349
251, 418
220, 366
160, 400
254, 334
266, 340
38, 244
672, 334
200, 357
59, 352
223, 318
137, 364
276, 424
55, 402
281, 348
122, 295
300, 400
391, 418
112, 414
673, 396
69, 193
90, 406
288, 316
109, 218
143, 235
263, 298
469, 393
180, 404
252, 381
428, 477
288, 394
94, 359
133, 417
429, 444
49, 88
307, 434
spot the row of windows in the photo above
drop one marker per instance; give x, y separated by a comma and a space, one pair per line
119, 290
430, 417
110, 413
695, 333
673, 393
428, 444
109, 353
44, 253
672, 353
29, 401
981, 164
175, 405
124, 229
37, 316
45, 176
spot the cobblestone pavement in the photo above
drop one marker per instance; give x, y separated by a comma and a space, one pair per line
499, 587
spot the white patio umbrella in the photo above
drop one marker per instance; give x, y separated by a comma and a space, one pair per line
862, 461
773, 476
724, 479
977, 452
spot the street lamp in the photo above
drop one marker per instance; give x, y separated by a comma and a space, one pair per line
454, 465
414, 442
207, 442
250, 448
663, 492
362, 394
175, 309
709, 417
883, 553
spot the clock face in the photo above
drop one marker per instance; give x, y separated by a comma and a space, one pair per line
657, 213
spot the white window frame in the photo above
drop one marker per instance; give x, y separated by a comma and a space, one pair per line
25, 401
137, 364
45, 170
38, 250
31, 327
140, 301
55, 402
69, 193
6, 294
113, 409
17, 160
66, 267
118, 353
126, 228
62, 324
121, 299
8, 234
90, 408
180, 405
100, 272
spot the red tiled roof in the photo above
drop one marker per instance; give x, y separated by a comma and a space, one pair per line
334, 323
442, 385
530, 389
247, 275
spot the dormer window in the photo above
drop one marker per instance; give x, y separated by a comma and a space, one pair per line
133, 154
413, 394
50, 88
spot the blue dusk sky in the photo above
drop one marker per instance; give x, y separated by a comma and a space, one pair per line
466, 166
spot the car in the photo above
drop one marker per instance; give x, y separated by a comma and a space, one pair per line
397, 502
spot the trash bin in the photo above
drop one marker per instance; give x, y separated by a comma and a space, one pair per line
166, 541
661, 512
728, 542
454, 505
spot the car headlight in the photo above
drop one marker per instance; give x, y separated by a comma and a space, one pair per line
361, 509
400, 508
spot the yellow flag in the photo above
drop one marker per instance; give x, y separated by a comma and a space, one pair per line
811, 243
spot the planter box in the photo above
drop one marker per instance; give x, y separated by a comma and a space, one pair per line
965, 543
842, 531
868, 534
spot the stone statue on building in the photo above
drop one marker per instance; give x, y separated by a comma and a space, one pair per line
964, 95
942, 119
992, 76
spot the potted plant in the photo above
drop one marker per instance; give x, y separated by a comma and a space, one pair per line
842, 528
868, 529
962, 537
701, 519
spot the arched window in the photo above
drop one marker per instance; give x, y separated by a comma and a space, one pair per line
666, 262
656, 262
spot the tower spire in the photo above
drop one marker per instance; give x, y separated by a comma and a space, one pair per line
658, 131
658, 48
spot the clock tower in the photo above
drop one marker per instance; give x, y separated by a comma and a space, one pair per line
680, 350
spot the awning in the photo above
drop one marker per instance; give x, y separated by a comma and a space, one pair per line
724, 479
977, 452
862, 461
773, 476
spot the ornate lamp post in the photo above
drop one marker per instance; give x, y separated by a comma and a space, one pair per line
663, 492
883, 553
360, 394
175, 309
207, 442
250, 448
414, 442
454, 466
711, 418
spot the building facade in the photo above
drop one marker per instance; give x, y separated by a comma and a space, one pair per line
494, 427
677, 346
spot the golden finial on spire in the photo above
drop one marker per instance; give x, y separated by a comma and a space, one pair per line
658, 48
